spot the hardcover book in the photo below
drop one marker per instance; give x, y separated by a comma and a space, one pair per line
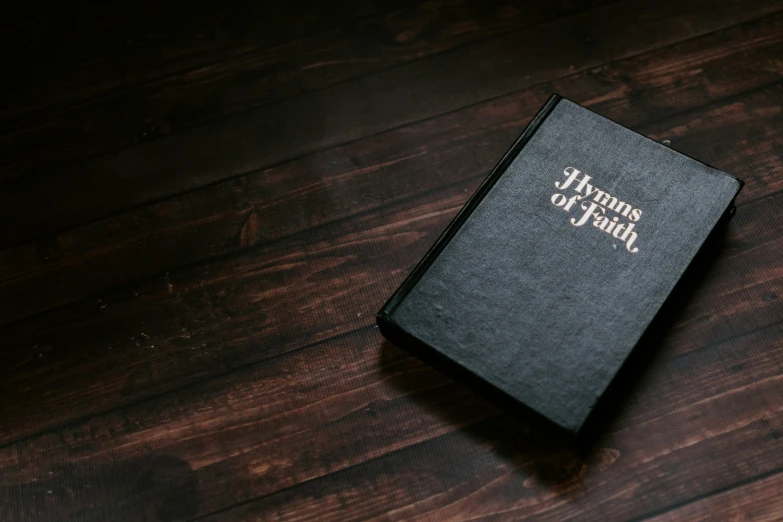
546, 280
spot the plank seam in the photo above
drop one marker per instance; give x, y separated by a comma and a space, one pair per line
94, 100
135, 87
228, 255
715, 492
321, 150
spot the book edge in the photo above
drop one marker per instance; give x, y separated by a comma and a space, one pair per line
465, 376
404, 339
462, 216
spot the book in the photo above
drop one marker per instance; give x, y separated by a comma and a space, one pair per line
546, 280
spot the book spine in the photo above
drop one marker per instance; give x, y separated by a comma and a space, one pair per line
385, 313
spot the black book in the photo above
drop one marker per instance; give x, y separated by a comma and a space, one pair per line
546, 280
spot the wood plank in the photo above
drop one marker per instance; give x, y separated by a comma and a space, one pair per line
313, 415
283, 394
758, 500
336, 184
300, 410
101, 48
494, 471
544, 479
42, 204
286, 295
257, 78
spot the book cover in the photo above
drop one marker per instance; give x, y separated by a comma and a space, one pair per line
546, 280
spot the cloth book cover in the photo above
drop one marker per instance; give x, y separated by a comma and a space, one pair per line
546, 280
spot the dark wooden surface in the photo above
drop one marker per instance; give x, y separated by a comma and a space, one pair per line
201, 208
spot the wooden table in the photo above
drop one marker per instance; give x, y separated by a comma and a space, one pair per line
203, 208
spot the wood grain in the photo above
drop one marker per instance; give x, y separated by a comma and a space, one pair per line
348, 111
203, 207
259, 77
106, 332
431, 481
101, 48
231, 216
294, 424
758, 500
278, 297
